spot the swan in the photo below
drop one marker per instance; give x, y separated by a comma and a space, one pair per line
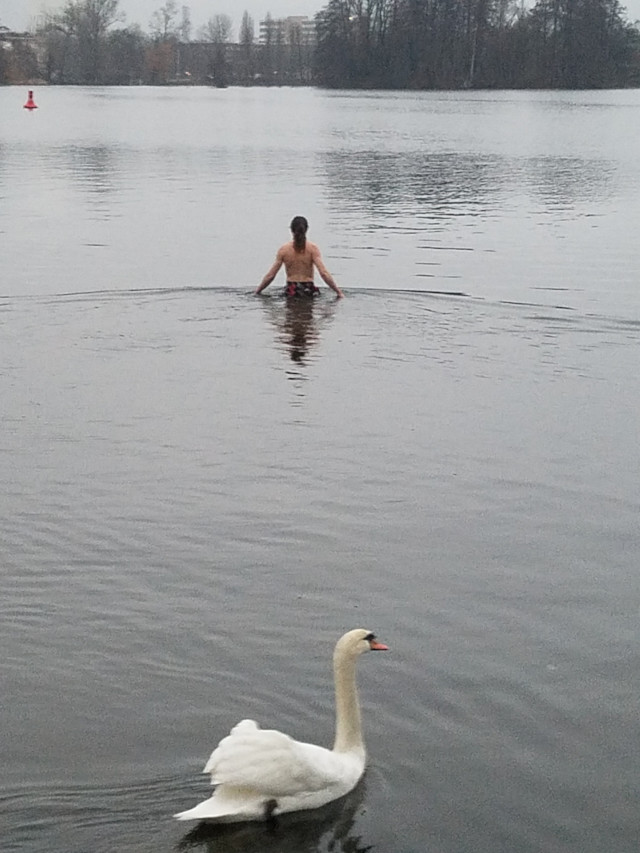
261, 773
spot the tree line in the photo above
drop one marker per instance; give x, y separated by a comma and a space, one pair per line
451, 44
416, 44
86, 42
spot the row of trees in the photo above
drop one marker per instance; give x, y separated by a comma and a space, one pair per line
87, 42
421, 44
476, 43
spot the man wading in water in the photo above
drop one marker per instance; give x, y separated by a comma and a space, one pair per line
299, 258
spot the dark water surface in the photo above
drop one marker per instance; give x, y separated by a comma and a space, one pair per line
202, 490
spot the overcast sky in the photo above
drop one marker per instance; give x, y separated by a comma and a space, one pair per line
17, 14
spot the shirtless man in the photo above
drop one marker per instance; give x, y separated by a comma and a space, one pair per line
299, 258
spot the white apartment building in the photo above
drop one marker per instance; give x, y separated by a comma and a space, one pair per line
295, 29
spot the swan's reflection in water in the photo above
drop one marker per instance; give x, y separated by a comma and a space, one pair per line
298, 323
331, 828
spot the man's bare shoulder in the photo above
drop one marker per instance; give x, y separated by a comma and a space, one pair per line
286, 250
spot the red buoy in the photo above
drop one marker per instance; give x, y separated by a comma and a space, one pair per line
31, 104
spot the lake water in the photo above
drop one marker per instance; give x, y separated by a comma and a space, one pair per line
202, 490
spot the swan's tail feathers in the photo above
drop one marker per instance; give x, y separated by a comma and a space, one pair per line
228, 807
206, 809
237, 735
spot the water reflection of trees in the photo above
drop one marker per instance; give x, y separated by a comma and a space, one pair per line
92, 166
390, 183
330, 828
93, 169
567, 180
444, 186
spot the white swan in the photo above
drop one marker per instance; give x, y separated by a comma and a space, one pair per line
259, 773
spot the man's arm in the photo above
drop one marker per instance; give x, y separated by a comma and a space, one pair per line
273, 271
324, 272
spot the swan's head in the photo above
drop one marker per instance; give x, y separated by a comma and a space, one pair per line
354, 643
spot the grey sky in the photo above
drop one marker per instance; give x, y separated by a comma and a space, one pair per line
17, 14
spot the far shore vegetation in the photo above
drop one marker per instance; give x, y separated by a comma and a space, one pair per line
350, 44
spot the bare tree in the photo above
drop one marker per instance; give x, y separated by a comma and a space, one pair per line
247, 39
163, 21
247, 30
185, 24
84, 24
217, 30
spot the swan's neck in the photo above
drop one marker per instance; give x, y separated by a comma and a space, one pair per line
348, 722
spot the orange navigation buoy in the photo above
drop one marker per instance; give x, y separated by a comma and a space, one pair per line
31, 104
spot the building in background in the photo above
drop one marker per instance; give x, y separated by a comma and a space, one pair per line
293, 30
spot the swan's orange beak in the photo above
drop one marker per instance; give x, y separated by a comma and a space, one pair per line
378, 647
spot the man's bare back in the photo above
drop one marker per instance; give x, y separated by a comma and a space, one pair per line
299, 264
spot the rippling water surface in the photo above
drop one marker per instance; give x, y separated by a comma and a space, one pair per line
202, 490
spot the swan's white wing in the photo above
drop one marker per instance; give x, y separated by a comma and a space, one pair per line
269, 762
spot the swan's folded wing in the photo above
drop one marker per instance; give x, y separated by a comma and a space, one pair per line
269, 762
